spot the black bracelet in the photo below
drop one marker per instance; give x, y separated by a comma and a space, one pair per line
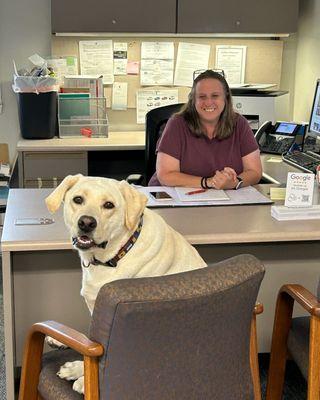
203, 182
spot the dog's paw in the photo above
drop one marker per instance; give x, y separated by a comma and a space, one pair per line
71, 370
78, 385
55, 343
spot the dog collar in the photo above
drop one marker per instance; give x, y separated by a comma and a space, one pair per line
113, 262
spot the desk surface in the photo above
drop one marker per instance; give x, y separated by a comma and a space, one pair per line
215, 225
134, 140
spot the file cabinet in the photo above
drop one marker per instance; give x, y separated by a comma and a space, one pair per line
47, 169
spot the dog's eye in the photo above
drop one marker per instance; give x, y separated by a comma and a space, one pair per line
108, 204
78, 200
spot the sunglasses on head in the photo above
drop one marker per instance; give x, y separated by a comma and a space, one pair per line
197, 72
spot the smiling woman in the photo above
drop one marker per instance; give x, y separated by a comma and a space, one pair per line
207, 144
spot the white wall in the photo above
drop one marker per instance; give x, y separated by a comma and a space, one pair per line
25, 29
308, 58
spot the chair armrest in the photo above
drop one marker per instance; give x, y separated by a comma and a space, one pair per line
70, 337
135, 179
304, 297
258, 308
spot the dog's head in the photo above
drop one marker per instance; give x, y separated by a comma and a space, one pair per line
97, 210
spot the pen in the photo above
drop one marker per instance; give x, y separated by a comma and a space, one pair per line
196, 191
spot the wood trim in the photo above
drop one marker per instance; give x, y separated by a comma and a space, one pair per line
91, 378
281, 327
31, 366
304, 297
254, 363
314, 359
70, 337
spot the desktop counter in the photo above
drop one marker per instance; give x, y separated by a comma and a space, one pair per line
42, 274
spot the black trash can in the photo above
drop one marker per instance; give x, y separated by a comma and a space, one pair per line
37, 115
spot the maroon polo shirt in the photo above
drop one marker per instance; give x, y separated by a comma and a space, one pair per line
201, 156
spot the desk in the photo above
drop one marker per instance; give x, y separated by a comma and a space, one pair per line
42, 276
44, 163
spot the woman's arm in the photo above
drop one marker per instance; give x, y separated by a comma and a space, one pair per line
168, 172
251, 174
252, 168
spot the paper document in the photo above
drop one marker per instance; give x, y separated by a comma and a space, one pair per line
232, 59
189, 194
246, 195
190, 57
96, 57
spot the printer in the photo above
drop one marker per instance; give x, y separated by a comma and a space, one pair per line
260, 106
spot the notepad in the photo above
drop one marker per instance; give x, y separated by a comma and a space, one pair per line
209, 195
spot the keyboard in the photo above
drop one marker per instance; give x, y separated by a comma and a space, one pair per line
306, 161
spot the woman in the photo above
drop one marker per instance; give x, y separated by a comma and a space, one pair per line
207, 144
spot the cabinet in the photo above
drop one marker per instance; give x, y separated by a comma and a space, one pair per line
234, 16
47, 169
113, 16
175, 16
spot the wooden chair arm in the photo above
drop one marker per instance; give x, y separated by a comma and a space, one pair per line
304, 297
69, 337
258, 308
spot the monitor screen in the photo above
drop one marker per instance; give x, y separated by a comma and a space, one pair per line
314, 125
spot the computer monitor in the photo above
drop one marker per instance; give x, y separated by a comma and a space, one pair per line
312, 138
314, 125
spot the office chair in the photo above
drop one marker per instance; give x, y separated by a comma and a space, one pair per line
156, 120
186, 336
298, 337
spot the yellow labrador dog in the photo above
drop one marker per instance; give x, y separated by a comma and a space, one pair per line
117, 237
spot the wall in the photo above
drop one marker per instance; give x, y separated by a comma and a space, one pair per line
308, 58
24, 30
263, 65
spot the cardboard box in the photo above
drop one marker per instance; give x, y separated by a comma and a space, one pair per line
4, 153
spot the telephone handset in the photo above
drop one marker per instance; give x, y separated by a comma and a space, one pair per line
279, 138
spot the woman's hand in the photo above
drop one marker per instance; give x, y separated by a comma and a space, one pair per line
225, 179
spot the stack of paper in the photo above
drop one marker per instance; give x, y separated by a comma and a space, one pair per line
283, 213
194, 194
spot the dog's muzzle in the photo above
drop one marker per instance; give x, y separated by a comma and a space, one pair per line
83, 242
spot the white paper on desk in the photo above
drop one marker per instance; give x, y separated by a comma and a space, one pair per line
190, 57
120, 96
96, 57
246, 195
232, 59
208, 195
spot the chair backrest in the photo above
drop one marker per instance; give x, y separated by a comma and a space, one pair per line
178, 337
156, 120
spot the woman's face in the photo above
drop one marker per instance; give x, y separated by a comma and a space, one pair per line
209, 100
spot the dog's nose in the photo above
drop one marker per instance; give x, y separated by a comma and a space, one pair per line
87, 224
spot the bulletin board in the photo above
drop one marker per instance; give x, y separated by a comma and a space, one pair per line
263, 65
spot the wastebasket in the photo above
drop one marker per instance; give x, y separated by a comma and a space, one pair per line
37, 115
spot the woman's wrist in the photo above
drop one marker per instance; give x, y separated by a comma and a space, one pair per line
206, 182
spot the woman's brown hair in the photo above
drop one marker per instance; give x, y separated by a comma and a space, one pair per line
227, 118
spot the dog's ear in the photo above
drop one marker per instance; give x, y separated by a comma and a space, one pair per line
135, 202
54, 200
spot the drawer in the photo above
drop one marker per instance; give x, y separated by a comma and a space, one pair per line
48, 165
41, 183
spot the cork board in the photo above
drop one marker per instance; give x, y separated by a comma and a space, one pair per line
263, 65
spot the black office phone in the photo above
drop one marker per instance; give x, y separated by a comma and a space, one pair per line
280, 137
